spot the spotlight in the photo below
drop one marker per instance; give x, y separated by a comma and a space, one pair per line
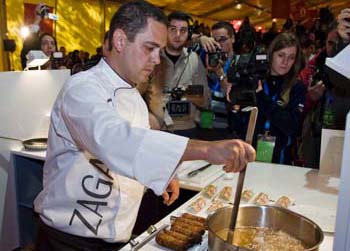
24, 31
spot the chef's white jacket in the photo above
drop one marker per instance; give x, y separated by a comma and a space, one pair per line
98, 115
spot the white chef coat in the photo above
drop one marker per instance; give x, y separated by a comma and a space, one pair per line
98, 115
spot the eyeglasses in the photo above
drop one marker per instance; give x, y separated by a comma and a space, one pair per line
221, 39
174, 30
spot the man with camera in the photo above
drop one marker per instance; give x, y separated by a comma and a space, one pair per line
178, 85
218, 63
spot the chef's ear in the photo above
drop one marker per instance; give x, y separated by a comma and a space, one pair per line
119, 39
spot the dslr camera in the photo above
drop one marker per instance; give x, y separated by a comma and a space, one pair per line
176, 106
57, 60
215, 57
244, 76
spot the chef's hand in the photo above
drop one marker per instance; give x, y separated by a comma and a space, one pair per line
344, 24
234, 154
172, 192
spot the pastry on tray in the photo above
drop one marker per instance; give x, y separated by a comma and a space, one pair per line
198, 204
284, 201
261, 199
210, 190
247, 195
226, 193
216, 204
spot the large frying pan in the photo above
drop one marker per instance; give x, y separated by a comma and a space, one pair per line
34, 144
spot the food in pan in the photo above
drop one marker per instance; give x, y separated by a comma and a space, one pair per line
226, 193
216, 204
198, 204
247, 195
284, 201
210, 190
261, 199
261, 239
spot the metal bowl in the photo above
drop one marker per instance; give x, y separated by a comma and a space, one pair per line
275, 218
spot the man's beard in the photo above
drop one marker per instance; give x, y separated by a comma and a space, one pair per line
176, 48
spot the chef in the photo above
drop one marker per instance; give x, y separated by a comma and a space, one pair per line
101, 153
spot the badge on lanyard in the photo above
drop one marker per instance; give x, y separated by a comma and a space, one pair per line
265, 147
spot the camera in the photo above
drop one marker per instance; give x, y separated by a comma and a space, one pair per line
244, 76
215, 57
57, 60
176, 106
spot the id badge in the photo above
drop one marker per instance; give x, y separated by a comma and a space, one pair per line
265, 147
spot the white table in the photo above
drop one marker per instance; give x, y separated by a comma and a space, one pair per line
315, 196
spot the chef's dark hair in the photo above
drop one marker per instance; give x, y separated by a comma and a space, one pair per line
132, 18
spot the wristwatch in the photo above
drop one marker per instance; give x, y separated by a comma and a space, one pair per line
222, 77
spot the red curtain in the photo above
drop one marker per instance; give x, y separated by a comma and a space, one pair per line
46, 25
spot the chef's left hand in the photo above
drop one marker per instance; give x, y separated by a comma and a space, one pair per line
172, 192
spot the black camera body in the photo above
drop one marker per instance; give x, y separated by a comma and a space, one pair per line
57, 60
215, 57
244, 76
176, 106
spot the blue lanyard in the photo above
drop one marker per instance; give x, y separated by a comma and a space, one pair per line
274, 99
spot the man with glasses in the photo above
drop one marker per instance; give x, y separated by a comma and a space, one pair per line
179, 68
224, 34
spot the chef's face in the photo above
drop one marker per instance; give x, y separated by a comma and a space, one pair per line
142, 55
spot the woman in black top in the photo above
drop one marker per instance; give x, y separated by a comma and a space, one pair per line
280, 97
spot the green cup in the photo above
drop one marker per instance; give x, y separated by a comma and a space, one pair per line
207, 119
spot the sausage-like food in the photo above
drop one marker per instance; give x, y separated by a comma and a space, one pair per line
195, 237
195, 229
194, 225
171, 242
179, 236
194, 217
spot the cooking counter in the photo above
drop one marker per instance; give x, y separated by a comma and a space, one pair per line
313, 195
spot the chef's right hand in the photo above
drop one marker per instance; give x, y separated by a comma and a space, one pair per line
234, 154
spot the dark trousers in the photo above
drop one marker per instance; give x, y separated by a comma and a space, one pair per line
50, 239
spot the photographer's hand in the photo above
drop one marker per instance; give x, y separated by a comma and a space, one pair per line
209, 44
344, 25
316, 92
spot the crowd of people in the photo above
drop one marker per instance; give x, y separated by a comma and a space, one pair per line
106, 143
294, 84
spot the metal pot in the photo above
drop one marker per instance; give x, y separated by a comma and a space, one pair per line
275, 218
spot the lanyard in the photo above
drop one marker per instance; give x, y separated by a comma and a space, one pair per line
274, 99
